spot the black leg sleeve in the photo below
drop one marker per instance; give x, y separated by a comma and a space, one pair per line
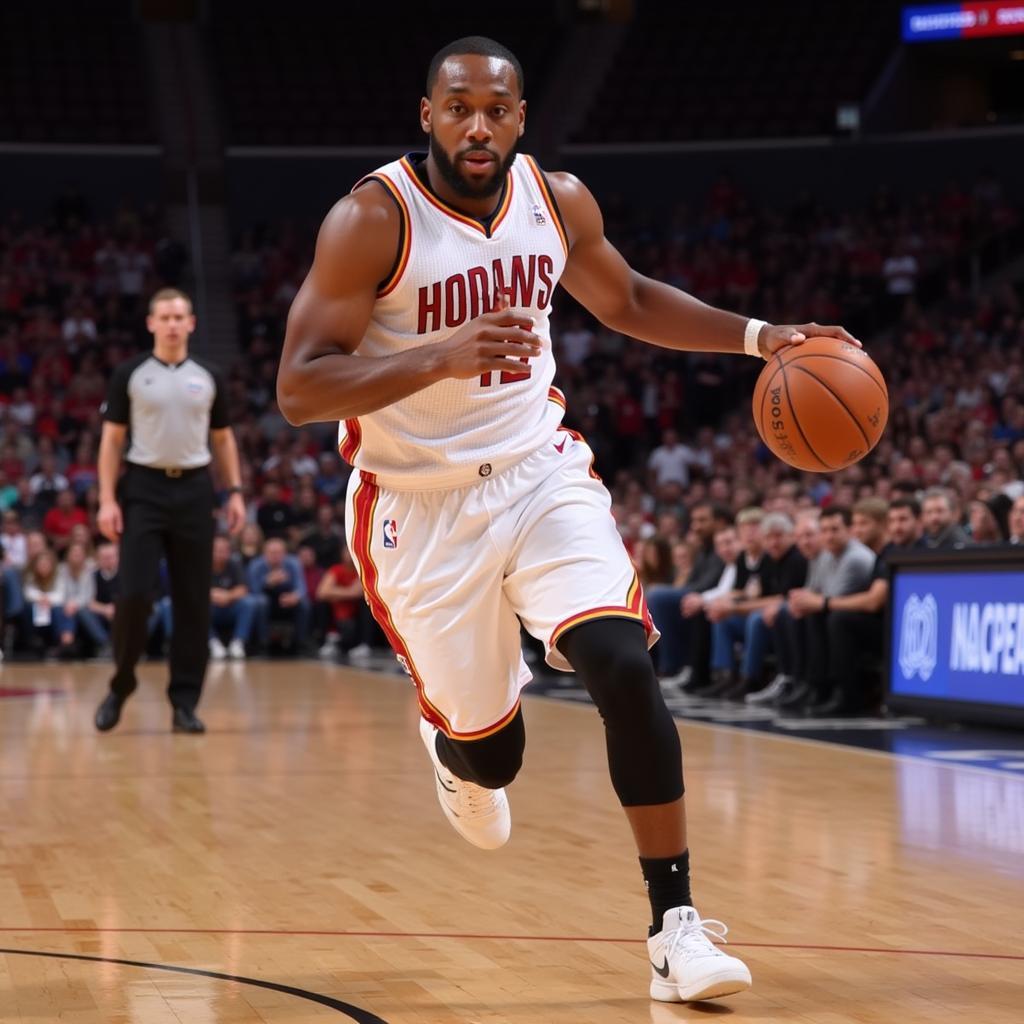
189, 542
644, 755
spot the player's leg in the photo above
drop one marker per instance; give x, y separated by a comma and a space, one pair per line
573, 585
432, 575
189, 542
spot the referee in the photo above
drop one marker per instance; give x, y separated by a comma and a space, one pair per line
173, 409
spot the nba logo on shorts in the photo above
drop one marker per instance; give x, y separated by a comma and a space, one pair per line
390, 533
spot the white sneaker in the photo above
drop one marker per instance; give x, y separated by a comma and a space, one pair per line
360, 651
481, 816
217, 650
686, 965
681, 678
771, 691
236, 650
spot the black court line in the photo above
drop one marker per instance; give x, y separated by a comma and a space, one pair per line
350, 1011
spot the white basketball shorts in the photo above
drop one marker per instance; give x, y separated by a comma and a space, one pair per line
450, 574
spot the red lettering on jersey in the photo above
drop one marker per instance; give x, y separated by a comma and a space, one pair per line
498, 273
454, 300
523, 281
545, 268
431, 308
479, 292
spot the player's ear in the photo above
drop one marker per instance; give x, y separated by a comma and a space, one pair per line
425, 115
522, 117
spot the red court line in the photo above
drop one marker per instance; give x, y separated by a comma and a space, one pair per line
520, 938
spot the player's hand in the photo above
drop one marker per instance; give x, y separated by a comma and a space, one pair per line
776, 336
235, 514
489, 344
110, 521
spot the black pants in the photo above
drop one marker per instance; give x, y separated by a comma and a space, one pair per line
855, 641
839, 646
171, 517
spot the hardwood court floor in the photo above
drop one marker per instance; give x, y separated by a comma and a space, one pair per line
299, 844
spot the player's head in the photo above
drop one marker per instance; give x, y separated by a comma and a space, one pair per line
474, 113
170, 319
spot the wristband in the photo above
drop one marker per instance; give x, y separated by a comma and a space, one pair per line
750, 335
235, 490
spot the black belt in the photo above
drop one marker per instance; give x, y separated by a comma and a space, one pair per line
169, 472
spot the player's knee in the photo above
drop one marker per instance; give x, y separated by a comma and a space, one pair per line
612, 660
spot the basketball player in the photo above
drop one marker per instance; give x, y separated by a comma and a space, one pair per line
424, 327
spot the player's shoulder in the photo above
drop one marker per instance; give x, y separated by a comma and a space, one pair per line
362, 229
371, 204
564, 184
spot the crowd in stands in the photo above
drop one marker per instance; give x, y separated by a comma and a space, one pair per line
737, 552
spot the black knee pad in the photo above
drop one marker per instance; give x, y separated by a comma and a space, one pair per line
644, 756
492, 762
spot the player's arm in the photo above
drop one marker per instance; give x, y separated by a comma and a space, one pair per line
598, 277
320, 378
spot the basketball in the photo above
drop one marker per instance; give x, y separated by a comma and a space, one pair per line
822, 405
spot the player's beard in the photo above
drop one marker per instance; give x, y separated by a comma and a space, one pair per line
463, 187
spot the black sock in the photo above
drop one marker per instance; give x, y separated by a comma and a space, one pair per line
668, 885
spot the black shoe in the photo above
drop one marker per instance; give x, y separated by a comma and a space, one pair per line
838, 706
721, 681
108, 714
795, 697
823, 704
186, 721
737, 693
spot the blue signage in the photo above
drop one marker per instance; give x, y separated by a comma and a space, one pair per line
958, 636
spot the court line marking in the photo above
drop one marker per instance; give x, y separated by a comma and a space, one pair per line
897, 950
352, 1012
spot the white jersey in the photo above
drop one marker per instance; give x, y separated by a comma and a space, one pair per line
450, 269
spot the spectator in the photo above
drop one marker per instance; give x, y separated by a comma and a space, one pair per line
320, 611
747, 586
105, 590
28, 507
843, 567
250, 544
654, 562
273, 515
279, 579
669, 463
329, 482
15, 551
50, 628
1016, 521
47, 483
785, 570
989, 519
940, 532
231, 606
62, 518
666, 605
77, 580
325, 538
353, 630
